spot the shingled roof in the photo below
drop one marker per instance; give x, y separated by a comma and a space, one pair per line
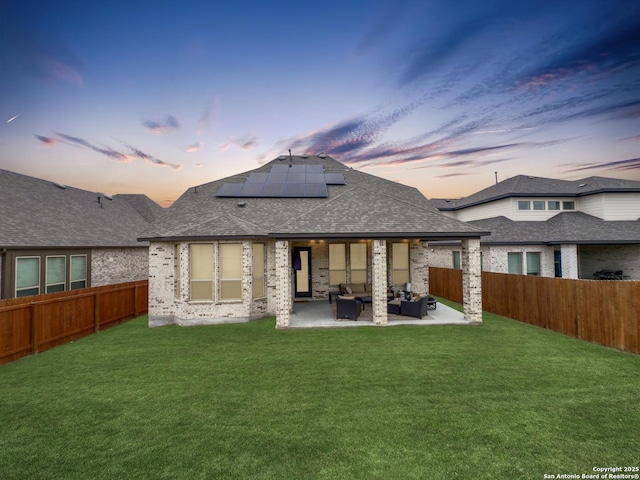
366, 207
37, 213
528, 186
563, 228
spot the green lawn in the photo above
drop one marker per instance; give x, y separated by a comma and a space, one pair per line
503, 400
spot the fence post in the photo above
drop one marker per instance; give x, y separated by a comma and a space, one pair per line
96, 311
33, 337
135, 301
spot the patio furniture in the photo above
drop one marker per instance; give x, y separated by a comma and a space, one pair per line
347, 308
417, 308
432, 303
393, 307
333, 293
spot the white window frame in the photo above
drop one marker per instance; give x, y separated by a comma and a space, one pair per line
86, 268
64, 274
554, 205
30, 287
524, 205
519, 255
539, 205
457, 259
568, 205
529, 256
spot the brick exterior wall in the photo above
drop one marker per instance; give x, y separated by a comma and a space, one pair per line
419, 267
471, 280
494, 258
165, 308
118, 265
569, 261
284, 282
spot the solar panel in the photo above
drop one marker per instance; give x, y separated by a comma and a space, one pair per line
314, 178
252, 190
294, 190
284, 180
273, 190
334, 179
277, 178
295, 177
257, 177
230, 190
316, 190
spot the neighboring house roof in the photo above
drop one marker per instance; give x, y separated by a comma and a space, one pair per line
528, 186
38, 213
563, 228
366, 206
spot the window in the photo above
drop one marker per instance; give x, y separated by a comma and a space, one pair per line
258, 270
56, 274
456, 260
515, 262
78, 269
27, 276
524, 205
337, 264
358, 254
400, 259
230, 271
176, 271
568, 205
553, 205
201, 271
539, 204
533, 263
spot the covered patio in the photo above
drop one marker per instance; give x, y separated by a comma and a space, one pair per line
321, 314
312, 270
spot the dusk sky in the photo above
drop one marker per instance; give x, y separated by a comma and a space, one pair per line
155, 97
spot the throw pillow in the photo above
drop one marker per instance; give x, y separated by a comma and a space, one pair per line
349, 291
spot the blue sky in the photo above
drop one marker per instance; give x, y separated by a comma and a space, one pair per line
155, 97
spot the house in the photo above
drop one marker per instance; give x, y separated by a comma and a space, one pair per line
54, 237
247, 246
588, 228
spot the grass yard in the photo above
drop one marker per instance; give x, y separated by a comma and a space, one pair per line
504, 400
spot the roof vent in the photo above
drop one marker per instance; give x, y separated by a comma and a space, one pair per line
108, 197
304, 156
282, 157
322, 155
242, 204
60, 185
582, 185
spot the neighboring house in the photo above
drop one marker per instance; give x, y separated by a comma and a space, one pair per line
586, 228
246, 246
55, 238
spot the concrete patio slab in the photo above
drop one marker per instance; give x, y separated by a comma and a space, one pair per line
321, 314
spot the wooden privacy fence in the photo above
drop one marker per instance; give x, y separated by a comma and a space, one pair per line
606, 312
34, 324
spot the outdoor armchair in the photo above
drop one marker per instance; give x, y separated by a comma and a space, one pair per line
347, 308
416, 309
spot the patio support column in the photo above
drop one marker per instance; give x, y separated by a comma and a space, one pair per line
419, 269
471, 280
379, 282
283, 283
569, 261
